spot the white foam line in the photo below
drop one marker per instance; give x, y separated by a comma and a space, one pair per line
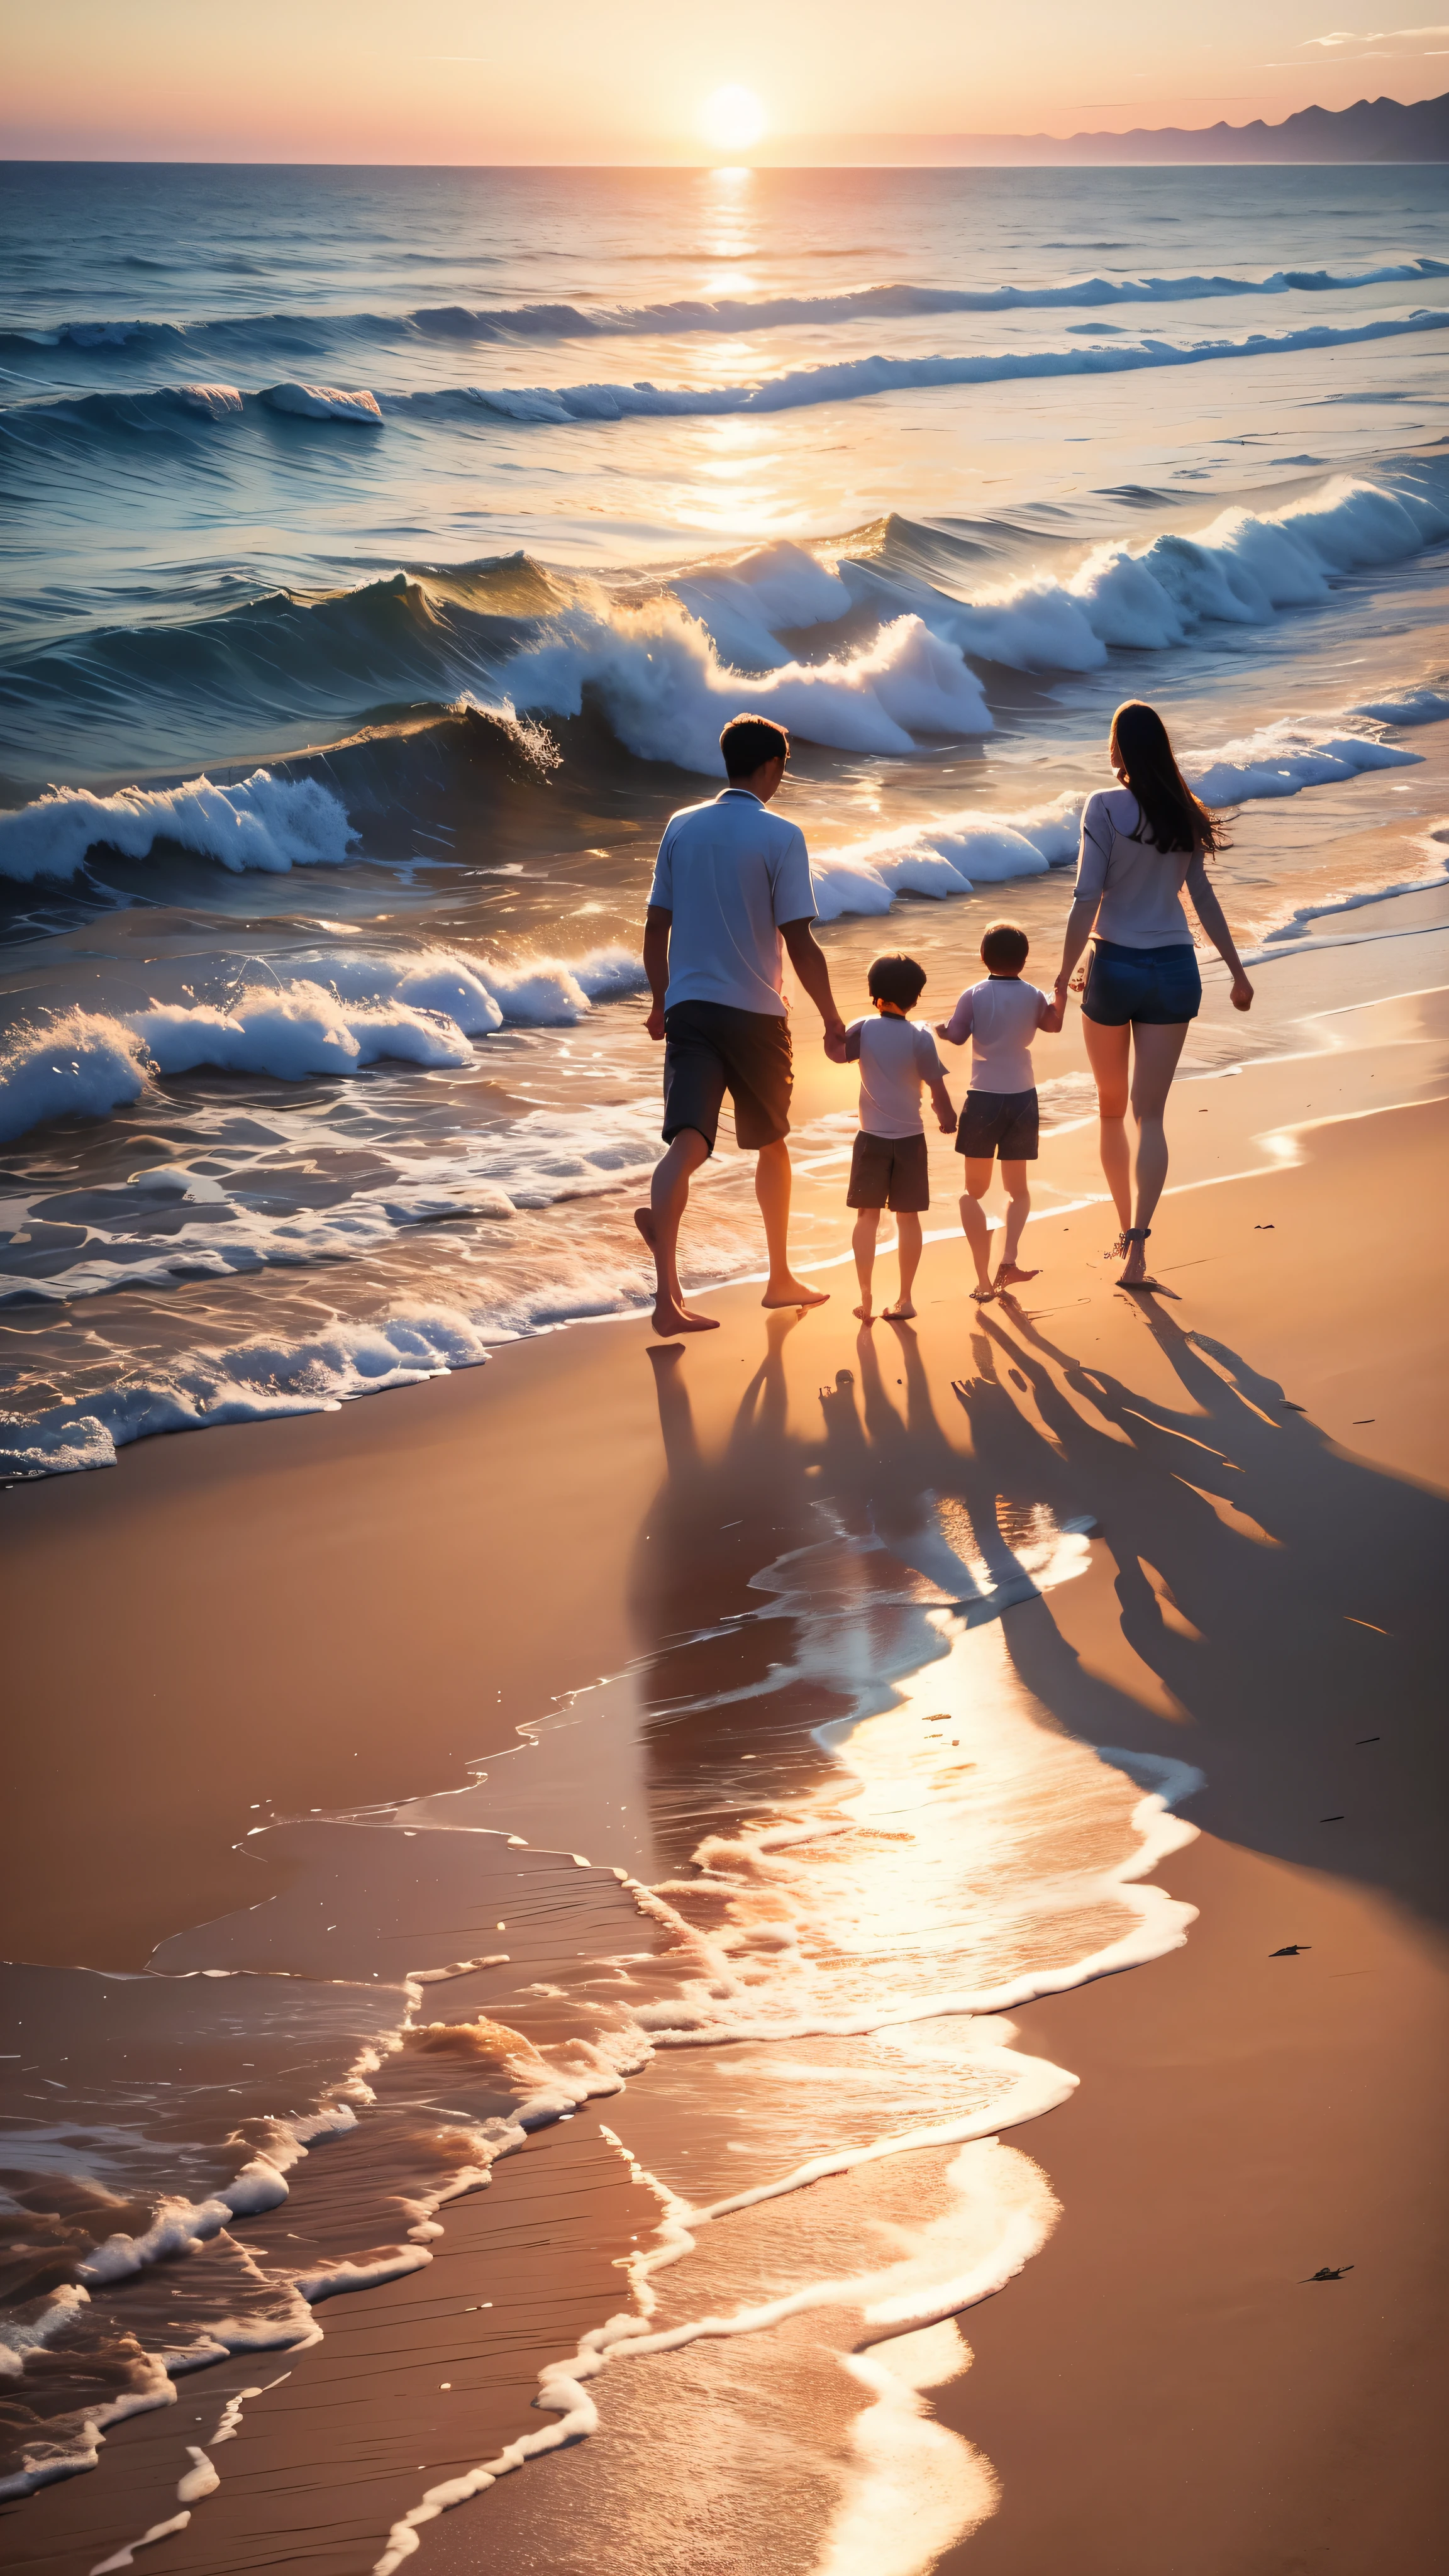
1039, 2087
1161, 1926
1309, 945
158, 2531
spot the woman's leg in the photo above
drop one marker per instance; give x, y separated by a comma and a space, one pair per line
908, 1248
862, 1244
973, 1217
1155, 1051
1108, 1052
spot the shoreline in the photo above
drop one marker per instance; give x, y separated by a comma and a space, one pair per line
313, 1605
406, 1343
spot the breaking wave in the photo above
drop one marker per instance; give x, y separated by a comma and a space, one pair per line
856, 379
309, 334
662, 656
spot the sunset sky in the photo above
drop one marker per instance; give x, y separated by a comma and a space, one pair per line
457, 81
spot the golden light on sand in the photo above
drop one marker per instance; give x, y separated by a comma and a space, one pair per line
732, 119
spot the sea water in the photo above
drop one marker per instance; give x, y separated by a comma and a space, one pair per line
385, 549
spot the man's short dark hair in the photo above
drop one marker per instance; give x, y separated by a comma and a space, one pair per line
896, 979
1005, 947
749, 741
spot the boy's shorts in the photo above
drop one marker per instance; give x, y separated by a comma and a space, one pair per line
999, 1122
889, 1172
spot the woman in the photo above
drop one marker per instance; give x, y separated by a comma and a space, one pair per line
1142, 843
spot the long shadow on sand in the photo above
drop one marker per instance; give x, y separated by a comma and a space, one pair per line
1286, 1595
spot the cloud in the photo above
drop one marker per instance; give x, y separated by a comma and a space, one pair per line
1373, 36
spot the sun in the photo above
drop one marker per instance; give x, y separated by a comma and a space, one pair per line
732, 120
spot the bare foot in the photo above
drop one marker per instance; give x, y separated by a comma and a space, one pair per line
670, 1317
984, 1294
789, 1291
865, 1315
1134, 1270
1008, 1276
901, 1312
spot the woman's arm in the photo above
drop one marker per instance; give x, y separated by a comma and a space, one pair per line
1093, 853
1210, 913
1078, 931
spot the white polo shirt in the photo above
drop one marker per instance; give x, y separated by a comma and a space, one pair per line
730, 872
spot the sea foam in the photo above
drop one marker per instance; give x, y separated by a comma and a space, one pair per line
857, 379
267, 823
323, 402
343, 1012
660, 678
255, 1382
231, 334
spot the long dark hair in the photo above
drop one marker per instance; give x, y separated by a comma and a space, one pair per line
1175, 818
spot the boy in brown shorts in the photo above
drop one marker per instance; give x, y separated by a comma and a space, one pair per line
1001, 1016
888, 1167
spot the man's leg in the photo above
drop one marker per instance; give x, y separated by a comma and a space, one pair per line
772, 1189
659, 1224
1018, 1209
862, 1244
908, 1229
973, 1219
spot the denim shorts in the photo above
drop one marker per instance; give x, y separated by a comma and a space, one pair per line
1158, 986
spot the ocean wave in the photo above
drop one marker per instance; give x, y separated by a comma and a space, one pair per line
658, 674
489, 637
187, 689
1412, 704
258, 1381
199, 408
184, 408
953, 853
267, 823
858, 379
342, 1011
322, 402
1243, 569
340, 1014
311, 333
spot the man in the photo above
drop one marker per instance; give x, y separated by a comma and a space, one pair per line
731, 894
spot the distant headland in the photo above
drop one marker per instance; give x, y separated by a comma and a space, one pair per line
1373, 129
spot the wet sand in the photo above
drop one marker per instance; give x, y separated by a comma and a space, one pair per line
346, 1610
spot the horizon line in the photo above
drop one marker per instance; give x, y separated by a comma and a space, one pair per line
842, 151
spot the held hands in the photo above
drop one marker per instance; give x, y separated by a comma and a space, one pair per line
946, 1120
835, 1041
1241, 995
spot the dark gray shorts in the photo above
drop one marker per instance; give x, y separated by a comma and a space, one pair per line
889, 1172
999, 1122
711, 1049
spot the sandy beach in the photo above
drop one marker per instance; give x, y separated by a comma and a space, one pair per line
348, 1616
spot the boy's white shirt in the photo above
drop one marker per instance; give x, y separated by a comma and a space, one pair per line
1001, 1016
896, 1056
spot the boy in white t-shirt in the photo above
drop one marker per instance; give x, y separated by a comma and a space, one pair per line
888, 1166
1001, 1017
